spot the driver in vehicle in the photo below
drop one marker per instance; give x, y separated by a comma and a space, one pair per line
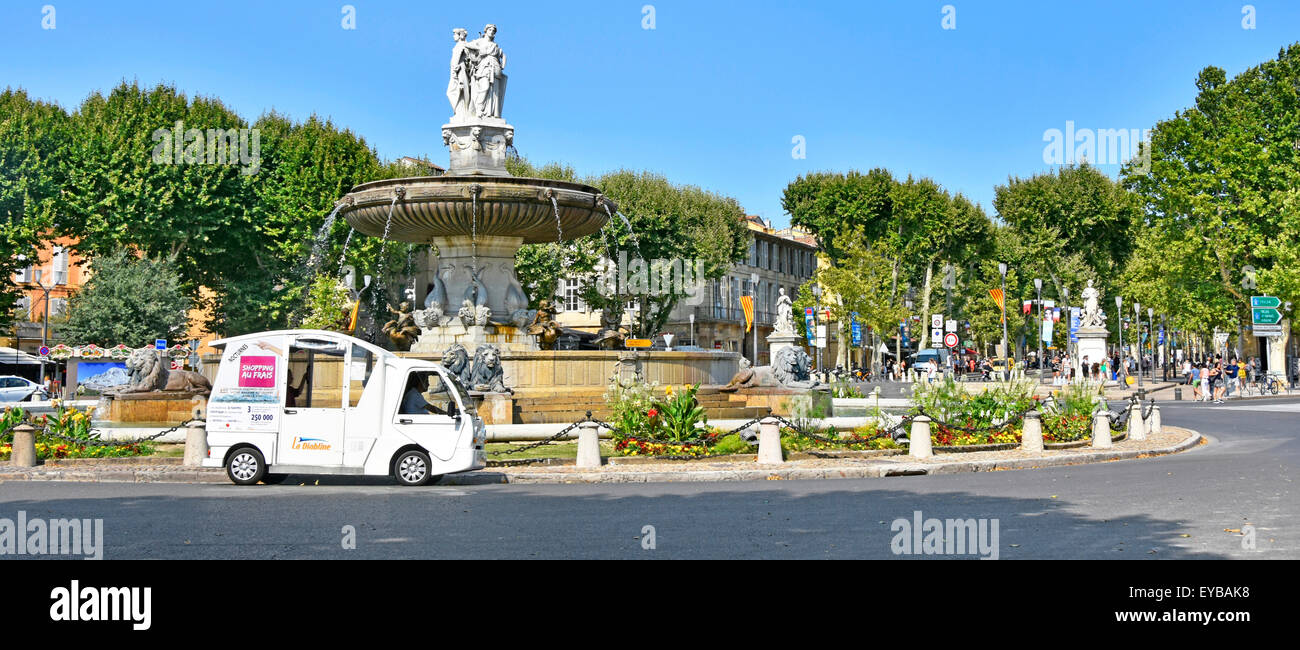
420, 398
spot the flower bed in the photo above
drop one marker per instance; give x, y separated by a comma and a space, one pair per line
58, 433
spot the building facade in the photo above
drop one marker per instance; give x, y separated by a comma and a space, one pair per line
713, 319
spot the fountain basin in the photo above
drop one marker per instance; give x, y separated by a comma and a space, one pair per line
444, 206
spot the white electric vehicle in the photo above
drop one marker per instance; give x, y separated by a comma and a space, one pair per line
317, 402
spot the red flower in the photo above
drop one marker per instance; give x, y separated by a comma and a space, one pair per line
652, 413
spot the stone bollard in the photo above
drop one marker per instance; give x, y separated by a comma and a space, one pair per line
918, 440
1154, 427
769, 442
588, 445
1101, 431
196, 443
1031, 437
24, 451
1137, 429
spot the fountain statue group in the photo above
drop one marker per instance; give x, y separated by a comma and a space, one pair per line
477, 87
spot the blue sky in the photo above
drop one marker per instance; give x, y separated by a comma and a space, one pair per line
712, 96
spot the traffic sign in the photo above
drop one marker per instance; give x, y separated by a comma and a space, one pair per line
45, 351
950, 339
1265, 316
936, 321
160, 344
1265, 301
638, 343
951, 325
936, 334
1267, 330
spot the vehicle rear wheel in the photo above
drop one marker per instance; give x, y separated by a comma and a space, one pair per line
411, 468
246, 466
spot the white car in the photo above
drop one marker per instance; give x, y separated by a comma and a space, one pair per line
17, 389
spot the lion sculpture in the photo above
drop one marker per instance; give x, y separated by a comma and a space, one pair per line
487, 375
789, 369
149, 371
456, 360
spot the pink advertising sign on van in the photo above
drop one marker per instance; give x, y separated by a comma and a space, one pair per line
257, 372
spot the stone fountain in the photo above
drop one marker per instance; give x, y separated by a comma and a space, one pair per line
477, 215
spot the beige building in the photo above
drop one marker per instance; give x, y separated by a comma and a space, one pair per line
713, 319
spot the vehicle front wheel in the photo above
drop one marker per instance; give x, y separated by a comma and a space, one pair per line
246, 466
411, 467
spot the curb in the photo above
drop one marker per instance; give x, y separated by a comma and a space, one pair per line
776, 473
880, 469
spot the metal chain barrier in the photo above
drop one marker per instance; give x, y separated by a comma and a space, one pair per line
552, 439
989, 429
97, 442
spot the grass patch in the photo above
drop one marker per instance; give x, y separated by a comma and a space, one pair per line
565, 449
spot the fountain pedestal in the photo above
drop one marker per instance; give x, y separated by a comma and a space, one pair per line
478, 148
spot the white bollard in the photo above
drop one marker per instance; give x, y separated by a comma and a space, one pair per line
1101, 431
769, 442
196, 443
23, 450
919, 438
1031, 437
588, 445
1154, 421
1137, 429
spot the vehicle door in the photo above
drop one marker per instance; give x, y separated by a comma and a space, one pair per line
311, 431
430, 411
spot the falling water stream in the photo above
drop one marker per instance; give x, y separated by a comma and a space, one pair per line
559, 230
377, 291
343, 256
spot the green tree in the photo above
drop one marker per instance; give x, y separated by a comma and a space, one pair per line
33, 136
859, 283
1220, 193
128, 300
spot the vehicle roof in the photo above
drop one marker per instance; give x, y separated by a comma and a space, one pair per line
375, 349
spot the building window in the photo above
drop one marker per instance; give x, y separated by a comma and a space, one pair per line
762, 255
24, 307
571, 293
753, 252
25, 274
60, 265
58, 306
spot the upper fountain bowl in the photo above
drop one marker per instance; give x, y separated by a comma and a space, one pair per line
447, 206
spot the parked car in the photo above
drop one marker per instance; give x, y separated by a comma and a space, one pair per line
17, 389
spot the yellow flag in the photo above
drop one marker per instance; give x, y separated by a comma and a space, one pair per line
747, 304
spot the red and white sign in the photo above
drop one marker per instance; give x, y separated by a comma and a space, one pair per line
950, 339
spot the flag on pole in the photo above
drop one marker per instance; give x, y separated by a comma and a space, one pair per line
747, 304
1000, 301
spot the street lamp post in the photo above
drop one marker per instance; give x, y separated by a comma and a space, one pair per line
1006, 358
692, 318
753, 291
817, 307
907, 303
1119, 324
45, 330
1038, 331
1137, 339
1065, 309
1151, 326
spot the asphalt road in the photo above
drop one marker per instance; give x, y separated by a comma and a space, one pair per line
1170, 507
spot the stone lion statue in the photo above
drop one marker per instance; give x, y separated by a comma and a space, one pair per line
789, 369
456, 359
487, 375
149, 371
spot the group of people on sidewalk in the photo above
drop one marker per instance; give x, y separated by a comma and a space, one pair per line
1214, 379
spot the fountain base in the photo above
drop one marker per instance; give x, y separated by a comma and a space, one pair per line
434, 340
478, 148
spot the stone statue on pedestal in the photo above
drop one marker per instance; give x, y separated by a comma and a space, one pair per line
1092, 316
784, 314
489, 83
